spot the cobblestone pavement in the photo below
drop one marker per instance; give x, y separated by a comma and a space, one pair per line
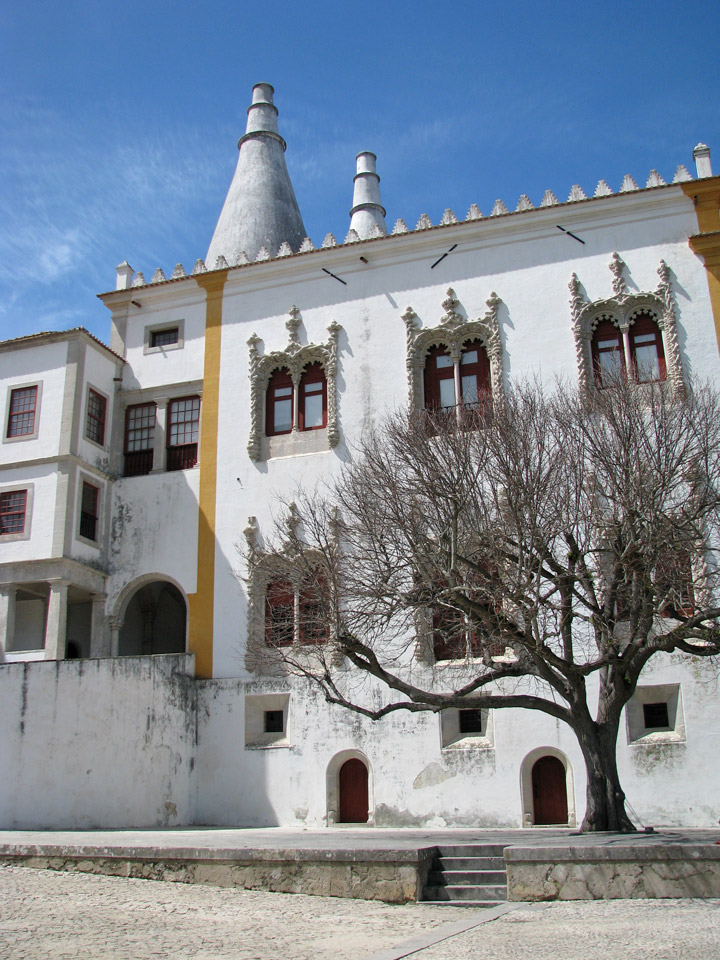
68, 915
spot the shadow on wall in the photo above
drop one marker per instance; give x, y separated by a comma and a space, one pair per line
155, 621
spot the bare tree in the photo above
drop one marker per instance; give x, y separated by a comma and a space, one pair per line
535, 556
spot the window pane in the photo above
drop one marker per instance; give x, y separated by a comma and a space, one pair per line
610, 364
12, 511
656, 715
646, 361
447, 392
164, 338
313, 387
443, 360
21, 422
283, 391
314, 410
95, 425
469, 356
283, 415
469, 390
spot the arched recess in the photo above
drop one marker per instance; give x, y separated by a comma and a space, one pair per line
151, 617
526, 784
333, 786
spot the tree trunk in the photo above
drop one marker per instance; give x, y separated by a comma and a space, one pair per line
605, 797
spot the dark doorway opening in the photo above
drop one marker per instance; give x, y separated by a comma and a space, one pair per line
353, 788
549, 792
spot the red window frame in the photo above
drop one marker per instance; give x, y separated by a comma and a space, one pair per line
183, 426
279, 380
434, 375
279, 613
674, 575
95, 418
22, 412
89, 510
313, 374
139, 439
644, 326
313, 620
13, 509
605, 332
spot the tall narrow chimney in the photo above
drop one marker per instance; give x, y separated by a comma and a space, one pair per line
367, 214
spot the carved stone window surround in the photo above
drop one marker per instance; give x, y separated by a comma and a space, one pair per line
621, 309
452, 332
295, 357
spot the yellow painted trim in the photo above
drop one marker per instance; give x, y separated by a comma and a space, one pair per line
202, 602
705, 194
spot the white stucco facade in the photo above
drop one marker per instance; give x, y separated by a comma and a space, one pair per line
133, 594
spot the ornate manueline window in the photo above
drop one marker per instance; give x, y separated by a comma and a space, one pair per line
456, 365
628, 335
293, 393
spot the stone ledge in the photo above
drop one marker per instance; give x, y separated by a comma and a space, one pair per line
601, 854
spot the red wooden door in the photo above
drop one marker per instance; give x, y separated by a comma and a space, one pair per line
353, 784
549, 791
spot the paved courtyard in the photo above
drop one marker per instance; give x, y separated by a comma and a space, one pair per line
71, 915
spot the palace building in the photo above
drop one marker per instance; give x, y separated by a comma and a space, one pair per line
137, 477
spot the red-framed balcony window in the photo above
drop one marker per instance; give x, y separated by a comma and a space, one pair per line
674, 584
23, 409
312, 408
646, 350
182, 433
450, 634
95, 419
608, 353
313, 614
13, 505
89, 511
165, 338
279, 613
139, 439
439, 380
279, 403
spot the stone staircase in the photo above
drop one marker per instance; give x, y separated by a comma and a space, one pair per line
467, 876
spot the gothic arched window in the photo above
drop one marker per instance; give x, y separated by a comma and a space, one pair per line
279, 403
608, 354
646, 349
312, 400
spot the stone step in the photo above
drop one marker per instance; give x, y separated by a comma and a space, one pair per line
461, 903
469, 863
454, 892
473, 850
461, 877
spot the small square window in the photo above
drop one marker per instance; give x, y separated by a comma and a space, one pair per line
95, 419
274, 721
656, 716
164, 338
471, 721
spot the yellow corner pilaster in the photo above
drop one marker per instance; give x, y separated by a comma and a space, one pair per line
705, 195
201, 604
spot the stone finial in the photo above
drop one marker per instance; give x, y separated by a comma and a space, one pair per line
617, 265
474, 213
701, 156
306, 246
400, 227
292, 325
123, 276
329, 241
139, 280
628, 184
654, 179
602, 189
262, 254
221, 263
241, 259
448, 217
576, 193
352, 236
158, 276
524, 203
199, 266
549, 199
424, 223
498, 209
681, 174
178, 272
285, 249
367, 215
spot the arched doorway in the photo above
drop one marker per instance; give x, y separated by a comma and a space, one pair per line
353, 792
154, 621
549, 791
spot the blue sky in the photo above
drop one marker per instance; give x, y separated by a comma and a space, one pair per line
120, 121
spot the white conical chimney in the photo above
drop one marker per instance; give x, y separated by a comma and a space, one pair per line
260, 209
367, 214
